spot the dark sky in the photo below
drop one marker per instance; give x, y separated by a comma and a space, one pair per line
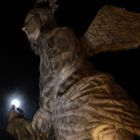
19, 72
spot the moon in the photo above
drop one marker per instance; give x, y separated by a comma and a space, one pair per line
15, 102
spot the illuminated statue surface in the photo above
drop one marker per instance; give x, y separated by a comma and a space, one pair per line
19, 127
77, 102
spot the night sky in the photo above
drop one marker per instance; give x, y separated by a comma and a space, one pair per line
19, 67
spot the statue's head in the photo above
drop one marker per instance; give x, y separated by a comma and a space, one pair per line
36, 21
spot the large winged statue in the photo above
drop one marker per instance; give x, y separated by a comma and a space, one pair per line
76, 101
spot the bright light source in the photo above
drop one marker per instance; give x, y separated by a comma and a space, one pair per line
15, 102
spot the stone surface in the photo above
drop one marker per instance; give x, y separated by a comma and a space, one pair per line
19, 127
76, 101
114, 29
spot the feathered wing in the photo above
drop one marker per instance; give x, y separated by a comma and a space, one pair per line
106, 101
113, 29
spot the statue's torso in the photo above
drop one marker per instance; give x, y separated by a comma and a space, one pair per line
74, 100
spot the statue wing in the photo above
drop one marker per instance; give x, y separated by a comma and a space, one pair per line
113, 29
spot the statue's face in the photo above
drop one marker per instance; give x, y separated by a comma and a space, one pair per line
32, 28
35, 20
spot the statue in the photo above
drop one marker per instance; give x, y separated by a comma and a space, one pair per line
76, 101
19, 127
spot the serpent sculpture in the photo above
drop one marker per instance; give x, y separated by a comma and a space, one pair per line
76, 101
